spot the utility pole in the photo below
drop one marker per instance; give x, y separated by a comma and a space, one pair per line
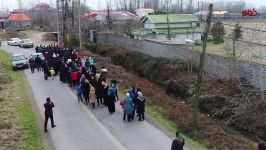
181, 7
80, 40
59, 25
167, 17
62, 22
3, 5
72, 16
198, 11
64, 16
201, 11
196, 102
19, 13
190, 6
108, 17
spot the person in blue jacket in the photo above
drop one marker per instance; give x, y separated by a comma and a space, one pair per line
133, 94
79, 92
127, 107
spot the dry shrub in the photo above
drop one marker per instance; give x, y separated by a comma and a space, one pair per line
168, 73
5, 124
252, 120
49, 37
209, 131
4, 79
12, 33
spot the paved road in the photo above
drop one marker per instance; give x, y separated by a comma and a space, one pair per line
81, 128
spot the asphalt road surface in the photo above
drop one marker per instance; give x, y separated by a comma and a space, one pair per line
79, 127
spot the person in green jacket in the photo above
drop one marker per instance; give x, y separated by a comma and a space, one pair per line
91, 61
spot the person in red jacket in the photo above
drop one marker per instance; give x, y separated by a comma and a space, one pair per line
74, 78
48, 113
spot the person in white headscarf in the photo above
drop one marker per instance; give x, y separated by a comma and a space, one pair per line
140, 105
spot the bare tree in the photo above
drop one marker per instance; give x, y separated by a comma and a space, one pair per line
108, 17
190, 6
254, 65
200, 72
258, 55
20, 17
235, 6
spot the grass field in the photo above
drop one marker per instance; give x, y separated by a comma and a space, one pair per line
18, 122
245, 50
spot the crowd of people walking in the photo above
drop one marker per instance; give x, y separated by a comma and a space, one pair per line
91, 85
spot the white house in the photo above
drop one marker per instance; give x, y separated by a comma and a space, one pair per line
182, 27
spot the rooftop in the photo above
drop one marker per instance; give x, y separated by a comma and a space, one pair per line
113, 14
42, 6
145, 9
144, 31
18, 17
173, 18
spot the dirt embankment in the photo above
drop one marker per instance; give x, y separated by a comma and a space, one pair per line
4, 36
168, 83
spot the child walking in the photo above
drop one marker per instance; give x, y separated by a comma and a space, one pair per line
52, 72
79, 92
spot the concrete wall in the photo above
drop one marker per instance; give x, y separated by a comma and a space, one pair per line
178, 37
214, 65
150, 25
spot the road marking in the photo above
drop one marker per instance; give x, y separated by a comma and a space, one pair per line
101, 126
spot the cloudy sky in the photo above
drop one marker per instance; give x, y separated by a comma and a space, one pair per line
95, 4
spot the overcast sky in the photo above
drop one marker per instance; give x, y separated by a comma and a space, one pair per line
94, 4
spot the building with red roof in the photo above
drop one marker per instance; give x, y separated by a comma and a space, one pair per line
19, 20
117, 16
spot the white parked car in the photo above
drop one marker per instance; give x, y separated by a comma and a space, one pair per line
26, 43
14, 41
34, 55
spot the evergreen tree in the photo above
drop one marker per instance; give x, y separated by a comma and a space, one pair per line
238, 32
217, 32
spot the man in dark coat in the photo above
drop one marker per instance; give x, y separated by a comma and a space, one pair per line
32, 64
93, 70
48, 113
38, 62
45, 69
261, 146
63, 72
86, 91
178, 143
